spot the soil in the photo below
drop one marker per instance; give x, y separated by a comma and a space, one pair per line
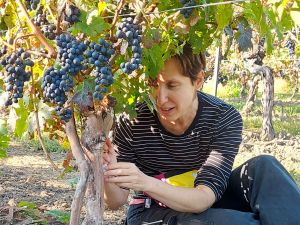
27, 176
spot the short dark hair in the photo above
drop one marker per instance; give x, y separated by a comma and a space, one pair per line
191, 64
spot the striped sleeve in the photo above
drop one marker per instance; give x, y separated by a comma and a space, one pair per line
123, 140
224, 146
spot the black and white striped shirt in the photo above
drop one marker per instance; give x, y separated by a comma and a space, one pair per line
209, 145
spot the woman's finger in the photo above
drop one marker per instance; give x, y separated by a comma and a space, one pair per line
121, 165
108, 143
119, 179
106, 158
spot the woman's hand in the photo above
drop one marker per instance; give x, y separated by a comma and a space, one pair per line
127, 175
109, 153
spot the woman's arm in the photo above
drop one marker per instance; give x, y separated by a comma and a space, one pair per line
182, 199
178, 198
114, 196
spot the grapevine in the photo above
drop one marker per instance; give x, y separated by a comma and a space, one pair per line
87, 53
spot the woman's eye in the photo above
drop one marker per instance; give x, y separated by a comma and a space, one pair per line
172, 85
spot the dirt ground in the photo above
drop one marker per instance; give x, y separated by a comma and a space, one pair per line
27, 176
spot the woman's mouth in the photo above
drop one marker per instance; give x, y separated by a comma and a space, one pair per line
166, 111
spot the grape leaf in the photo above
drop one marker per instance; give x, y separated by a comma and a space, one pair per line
199, 36
10, 17
152, 60
228, 31
92, 25
4, 139
244, 36
224, 15
82, 97
3, 154
168, 4
21, 123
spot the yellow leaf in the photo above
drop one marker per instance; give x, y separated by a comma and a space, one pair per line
101, 6
130, 100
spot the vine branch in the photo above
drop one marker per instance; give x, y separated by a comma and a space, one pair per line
38, 53
36, 30
21, 37
119, 8
84, 169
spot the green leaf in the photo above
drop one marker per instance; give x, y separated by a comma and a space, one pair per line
21, 123
224, 15
152, 60
151, 36
4, 141
61, 216
29, 205
287, 21
3, 25
269, 41
85, 4
91, 24
276, 24
200, 36
10, 17
168, 4
3, 154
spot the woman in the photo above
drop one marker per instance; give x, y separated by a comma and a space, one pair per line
178, 160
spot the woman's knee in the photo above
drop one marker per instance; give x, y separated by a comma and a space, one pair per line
265, 161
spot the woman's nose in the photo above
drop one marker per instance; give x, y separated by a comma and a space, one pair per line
162, 96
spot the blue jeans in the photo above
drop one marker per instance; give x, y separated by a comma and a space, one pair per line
259, 192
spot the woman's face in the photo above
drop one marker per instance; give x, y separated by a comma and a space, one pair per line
174, 93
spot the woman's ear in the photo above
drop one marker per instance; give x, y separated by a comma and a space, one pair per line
200, 79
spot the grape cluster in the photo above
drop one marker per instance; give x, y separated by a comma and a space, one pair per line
55, 84
16, 74
47, 28
49, 31
40, 18
32, 4
70, 53
187, 12
99, 55
131, 32
290, 45
71, 14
